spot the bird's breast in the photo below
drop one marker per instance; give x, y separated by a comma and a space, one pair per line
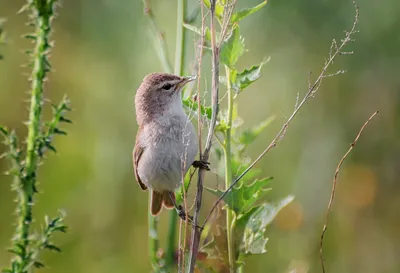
170, 149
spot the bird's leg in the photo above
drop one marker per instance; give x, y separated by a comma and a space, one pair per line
181, 212
202, 164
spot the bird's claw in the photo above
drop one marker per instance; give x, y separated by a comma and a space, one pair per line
182, 214
202, 164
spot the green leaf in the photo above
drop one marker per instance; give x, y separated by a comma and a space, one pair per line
53, 248
236, 17
249, 135
38, 264
243, 197
180, 192
4, 131
248, 76
232, 48
192, 105
239, 164
207, 34
251, 226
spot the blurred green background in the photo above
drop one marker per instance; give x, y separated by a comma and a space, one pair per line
102, 52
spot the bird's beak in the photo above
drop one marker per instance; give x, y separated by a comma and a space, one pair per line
187, 79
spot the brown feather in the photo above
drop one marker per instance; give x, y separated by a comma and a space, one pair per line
167, 202
137, 153
156, 202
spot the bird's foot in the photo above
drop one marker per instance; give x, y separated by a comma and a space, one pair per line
183, 215
202, 164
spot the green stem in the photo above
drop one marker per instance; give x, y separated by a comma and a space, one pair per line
161, 48
42, 12
178, 70
228, 175
180, 38
153, 241
172, 227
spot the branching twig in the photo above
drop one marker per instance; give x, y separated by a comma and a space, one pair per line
335, 50
352, 145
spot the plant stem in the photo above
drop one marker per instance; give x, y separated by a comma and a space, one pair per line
228, 174
196, 231
178, 70
170, 250
153, 241
42, 15
161, 48
180, 38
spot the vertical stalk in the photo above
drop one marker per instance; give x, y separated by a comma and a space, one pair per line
153, 241
42, 13
180, 38
228, 174
196, 231
178, 70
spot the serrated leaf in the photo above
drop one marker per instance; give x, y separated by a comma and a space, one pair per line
236, 17
248, 136
232, 48
247, 77
238, 166
215, 245
243, 197
251, 226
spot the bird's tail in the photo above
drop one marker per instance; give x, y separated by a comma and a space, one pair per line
158, 199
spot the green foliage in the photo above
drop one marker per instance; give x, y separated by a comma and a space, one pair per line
232, 48
248, 214
26, 244
236, 17
52, 128
242, 197
193, 106
249, 135
251, 226
219, 9
207, 33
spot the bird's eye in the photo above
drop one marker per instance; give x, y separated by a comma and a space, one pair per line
167, 86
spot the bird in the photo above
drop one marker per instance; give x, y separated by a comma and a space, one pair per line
166, 142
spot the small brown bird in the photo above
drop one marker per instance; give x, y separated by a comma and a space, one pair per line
166, 142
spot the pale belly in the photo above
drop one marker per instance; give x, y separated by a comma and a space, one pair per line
169, 153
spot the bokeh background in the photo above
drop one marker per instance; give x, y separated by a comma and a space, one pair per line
103, 50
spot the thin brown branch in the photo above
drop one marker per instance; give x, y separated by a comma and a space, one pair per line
199, 126
196, 231
352, 145
335, 51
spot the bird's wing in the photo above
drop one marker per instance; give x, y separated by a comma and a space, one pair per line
137, 153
